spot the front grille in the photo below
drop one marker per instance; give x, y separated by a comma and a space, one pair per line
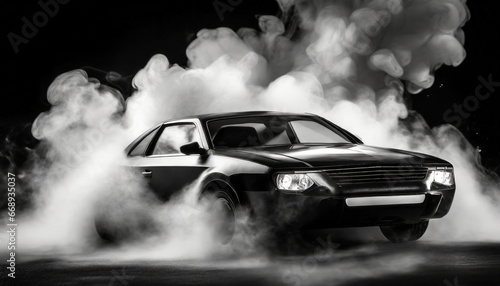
377, 174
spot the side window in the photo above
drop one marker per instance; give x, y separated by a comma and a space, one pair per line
141, 147
173, 137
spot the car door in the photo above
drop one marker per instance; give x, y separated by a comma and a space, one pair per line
167, 169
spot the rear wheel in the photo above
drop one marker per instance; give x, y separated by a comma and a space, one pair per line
405, 232
102, 231
102, 225
122, 222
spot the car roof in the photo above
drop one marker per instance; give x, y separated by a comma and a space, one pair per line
210, 116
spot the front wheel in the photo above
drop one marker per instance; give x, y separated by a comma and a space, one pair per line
405, 232
222, 208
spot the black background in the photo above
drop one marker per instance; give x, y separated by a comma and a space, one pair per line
122, 36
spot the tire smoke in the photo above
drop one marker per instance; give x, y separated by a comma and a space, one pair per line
349, 61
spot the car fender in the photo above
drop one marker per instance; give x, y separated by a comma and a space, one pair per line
222, 181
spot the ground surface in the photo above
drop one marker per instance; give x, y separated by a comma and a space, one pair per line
374, 263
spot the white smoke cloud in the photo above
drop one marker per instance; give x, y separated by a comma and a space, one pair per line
351, 65
350, 62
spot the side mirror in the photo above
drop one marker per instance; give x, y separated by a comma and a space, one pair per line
192, 148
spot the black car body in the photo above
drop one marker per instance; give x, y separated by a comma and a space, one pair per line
298, 169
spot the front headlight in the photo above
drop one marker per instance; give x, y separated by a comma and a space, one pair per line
443, 177
293, 182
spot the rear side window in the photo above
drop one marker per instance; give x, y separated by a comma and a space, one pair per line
173, 137
141, 147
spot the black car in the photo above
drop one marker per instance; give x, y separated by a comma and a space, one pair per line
299, 170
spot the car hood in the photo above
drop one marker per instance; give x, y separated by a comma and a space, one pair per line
334, 155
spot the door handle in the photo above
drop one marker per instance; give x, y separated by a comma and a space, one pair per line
147, 173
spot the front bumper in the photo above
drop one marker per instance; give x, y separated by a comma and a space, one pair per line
334, 212
355, 209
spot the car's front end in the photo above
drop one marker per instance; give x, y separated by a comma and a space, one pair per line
321, 176
365, 194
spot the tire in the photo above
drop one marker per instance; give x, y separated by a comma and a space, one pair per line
106, 229
405, 232
128, 225
222, 208
102, 225
101, 230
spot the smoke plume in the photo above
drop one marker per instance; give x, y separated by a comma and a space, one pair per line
349, 61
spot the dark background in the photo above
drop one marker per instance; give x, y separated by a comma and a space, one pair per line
121, 36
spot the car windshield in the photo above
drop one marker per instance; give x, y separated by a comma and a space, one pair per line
271, 131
